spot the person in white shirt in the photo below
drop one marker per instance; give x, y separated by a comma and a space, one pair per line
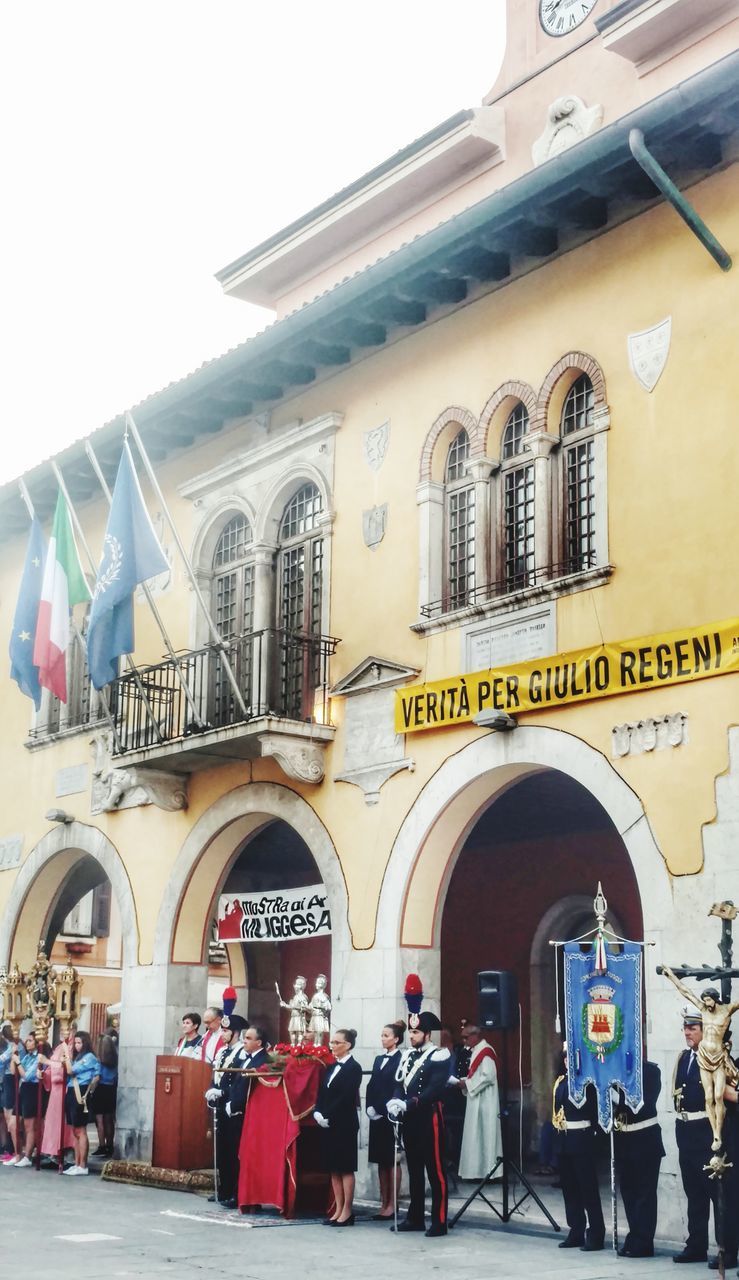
481, 1137
212, 1038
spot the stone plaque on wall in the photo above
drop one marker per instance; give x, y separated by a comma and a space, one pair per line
509, 638
72, 781
11, 848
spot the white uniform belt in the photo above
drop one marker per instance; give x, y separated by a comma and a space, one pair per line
691, 1115
639, 1124
576, 1124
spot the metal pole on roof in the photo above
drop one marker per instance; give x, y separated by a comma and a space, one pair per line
215, 633
93, 567
150, 601
683, 208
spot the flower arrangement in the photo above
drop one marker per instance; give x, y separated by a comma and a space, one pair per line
304, 1052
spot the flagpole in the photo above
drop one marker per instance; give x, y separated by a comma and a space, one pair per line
150, 600
93, 567
30, 509
215, 633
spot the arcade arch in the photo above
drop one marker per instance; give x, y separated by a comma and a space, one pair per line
454, 821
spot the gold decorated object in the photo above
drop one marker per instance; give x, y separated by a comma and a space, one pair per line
714, 1062
68, 988
41, 994
558, 1116
320, 1011
13, 987
717, 1165
299, 1010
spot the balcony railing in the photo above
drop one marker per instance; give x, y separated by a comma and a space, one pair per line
278, 673
518, 581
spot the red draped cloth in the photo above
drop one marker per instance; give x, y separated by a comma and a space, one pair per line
267, 1154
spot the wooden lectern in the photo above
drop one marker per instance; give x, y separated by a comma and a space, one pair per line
183, 1138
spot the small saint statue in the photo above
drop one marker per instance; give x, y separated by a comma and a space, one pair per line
320, 1007
714, 1063
299, 1010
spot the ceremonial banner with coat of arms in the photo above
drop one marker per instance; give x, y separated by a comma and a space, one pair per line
603, 1022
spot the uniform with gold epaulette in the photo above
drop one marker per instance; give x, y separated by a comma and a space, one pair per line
574, 1142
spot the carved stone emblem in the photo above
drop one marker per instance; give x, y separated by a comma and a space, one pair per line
648, 352
653, 734
568, 122
128, 788
375, 445
374, 523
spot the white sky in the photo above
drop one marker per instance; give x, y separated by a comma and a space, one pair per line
147, 143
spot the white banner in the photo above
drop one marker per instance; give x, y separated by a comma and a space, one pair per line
274, 917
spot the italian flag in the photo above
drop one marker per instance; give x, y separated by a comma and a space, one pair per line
63, 586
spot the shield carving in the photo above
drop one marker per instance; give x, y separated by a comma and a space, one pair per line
648, 353
374, 523
375, 445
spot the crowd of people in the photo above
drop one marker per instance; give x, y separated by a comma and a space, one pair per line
51, 1096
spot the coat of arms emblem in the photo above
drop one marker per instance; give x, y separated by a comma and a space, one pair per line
602, 1022
374, 523
648, 353
375, 445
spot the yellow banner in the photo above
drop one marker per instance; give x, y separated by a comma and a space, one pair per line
628, 666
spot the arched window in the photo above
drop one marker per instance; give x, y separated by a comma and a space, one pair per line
578, 458
460, 523
233, 579
233, 607
300, 601
518, 502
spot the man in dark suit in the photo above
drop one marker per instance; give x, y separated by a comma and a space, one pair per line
638, 1150
694, 1136
227, 1119
422, 1078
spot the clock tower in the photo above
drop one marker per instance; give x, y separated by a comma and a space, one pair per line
542, 32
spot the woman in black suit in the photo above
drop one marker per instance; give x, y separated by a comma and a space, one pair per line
380, 1090
336, 1112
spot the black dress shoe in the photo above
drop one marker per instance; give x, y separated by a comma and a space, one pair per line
571, 1242
348, 1222
436, 1231
211, 1199
408, 1226
627, 1251
592, 1246
381, 1217
328, 1222
688, 1256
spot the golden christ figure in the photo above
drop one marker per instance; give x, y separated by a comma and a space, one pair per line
714, 1063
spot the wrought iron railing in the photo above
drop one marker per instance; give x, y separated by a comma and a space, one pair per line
278, 673
517, 581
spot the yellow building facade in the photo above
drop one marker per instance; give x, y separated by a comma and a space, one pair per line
491, 428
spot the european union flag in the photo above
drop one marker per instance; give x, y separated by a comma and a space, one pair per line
131, 554
23, 635
603, 998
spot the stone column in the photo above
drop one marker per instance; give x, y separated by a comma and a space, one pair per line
263, 620
481, 469
540, 445
153, 1001
430, 500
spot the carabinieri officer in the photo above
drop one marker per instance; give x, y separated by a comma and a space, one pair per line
422, 1079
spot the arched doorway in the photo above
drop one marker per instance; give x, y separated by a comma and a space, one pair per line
259, 836
274, 860
527, 872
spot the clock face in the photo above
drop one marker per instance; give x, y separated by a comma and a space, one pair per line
560, 17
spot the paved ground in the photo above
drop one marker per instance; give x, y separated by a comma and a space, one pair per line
74, 1227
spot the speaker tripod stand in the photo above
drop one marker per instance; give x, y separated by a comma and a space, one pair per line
506, 1165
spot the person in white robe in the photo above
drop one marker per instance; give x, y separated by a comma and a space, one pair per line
481, 1139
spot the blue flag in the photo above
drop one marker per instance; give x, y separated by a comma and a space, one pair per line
131, 554
603, 997
23, 635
